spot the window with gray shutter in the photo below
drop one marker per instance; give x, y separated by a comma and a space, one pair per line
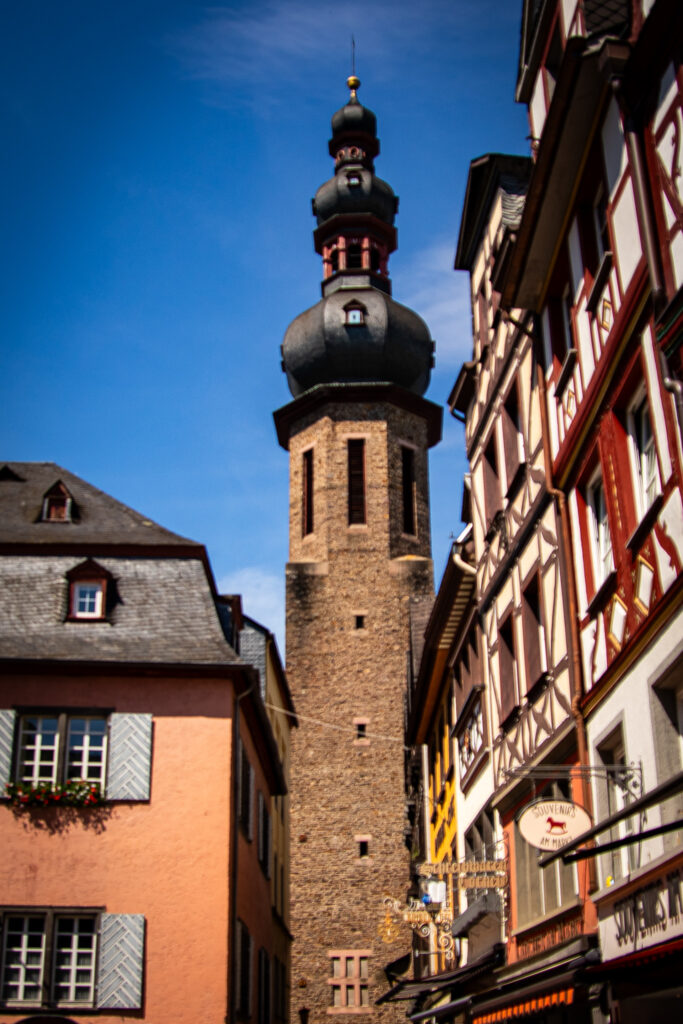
121, 960
7, 722
130, 756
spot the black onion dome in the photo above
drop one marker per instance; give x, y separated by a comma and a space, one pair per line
392, 344
353, 118
355, 190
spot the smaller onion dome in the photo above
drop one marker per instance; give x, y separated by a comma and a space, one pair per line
355, 190
354, 131
356, 335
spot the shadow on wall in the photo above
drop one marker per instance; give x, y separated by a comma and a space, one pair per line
56, 821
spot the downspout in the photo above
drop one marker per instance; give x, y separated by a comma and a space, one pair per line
569, 588
234, 848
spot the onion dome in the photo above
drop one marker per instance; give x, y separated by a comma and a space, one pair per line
355, 190
354, 131
357, 335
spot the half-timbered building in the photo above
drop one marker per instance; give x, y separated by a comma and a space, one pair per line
598, 260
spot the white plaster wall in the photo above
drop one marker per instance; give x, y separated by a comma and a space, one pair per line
568, 13
629, 702
626, 236
537, 107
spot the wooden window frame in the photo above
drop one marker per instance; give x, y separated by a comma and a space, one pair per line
50, 916
60, 774
508, 684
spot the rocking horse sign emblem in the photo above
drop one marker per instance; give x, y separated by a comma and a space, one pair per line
551, 824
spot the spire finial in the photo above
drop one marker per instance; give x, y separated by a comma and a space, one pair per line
353, 81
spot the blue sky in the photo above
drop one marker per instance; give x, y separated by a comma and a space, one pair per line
158, 163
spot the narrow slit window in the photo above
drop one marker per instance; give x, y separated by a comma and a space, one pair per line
356, 472
360, 622
361, 730
307, 497
408, 486
363, 851
354, 257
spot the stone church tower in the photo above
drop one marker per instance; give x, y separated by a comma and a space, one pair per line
357, 432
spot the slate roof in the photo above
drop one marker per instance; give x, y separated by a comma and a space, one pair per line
99, 517
164, 610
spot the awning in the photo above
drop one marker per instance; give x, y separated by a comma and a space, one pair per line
637, 958
489, 903
524, 1007
441, 1011
439, 982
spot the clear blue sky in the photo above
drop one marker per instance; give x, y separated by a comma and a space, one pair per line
158, 161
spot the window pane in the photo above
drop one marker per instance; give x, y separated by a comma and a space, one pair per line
74, 965
24, 955
86, 748
336, 967
350, 963
336, 995
364, 1001
38, 749
363, 967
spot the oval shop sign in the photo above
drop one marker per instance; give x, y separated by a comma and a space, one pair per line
551, 824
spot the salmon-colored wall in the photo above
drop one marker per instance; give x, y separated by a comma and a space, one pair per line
253, 887
167, 859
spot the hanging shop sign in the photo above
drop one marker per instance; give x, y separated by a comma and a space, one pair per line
551, 824
469, 874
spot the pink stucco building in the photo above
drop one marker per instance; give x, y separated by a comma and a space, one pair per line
137, 765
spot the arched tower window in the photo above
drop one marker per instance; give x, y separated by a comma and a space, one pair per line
375, 259
334, 260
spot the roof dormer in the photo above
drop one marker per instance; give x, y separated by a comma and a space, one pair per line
58, 505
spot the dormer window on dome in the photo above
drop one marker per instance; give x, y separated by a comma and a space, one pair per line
90, 591
58, 505
355, 313
353, 180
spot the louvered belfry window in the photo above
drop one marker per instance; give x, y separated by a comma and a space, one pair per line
356, 460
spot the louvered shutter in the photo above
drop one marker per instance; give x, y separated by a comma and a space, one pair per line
130, 757
121, 959
8, 720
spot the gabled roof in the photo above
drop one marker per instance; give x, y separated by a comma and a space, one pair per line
487, 175
101, 518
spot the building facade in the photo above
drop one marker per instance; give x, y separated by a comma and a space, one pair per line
570, 696
358, 432
138, 769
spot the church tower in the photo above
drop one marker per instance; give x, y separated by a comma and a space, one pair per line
358, 431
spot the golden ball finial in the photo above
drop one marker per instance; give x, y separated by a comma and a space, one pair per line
353, 83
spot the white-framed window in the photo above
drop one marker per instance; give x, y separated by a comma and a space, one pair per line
615, 795
643, 455
86, 600
471, 739
600, 537
70, 958
42, 751
57, 748
354, 314
349, 970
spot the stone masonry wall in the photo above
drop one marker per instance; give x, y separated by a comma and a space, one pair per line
345, 788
